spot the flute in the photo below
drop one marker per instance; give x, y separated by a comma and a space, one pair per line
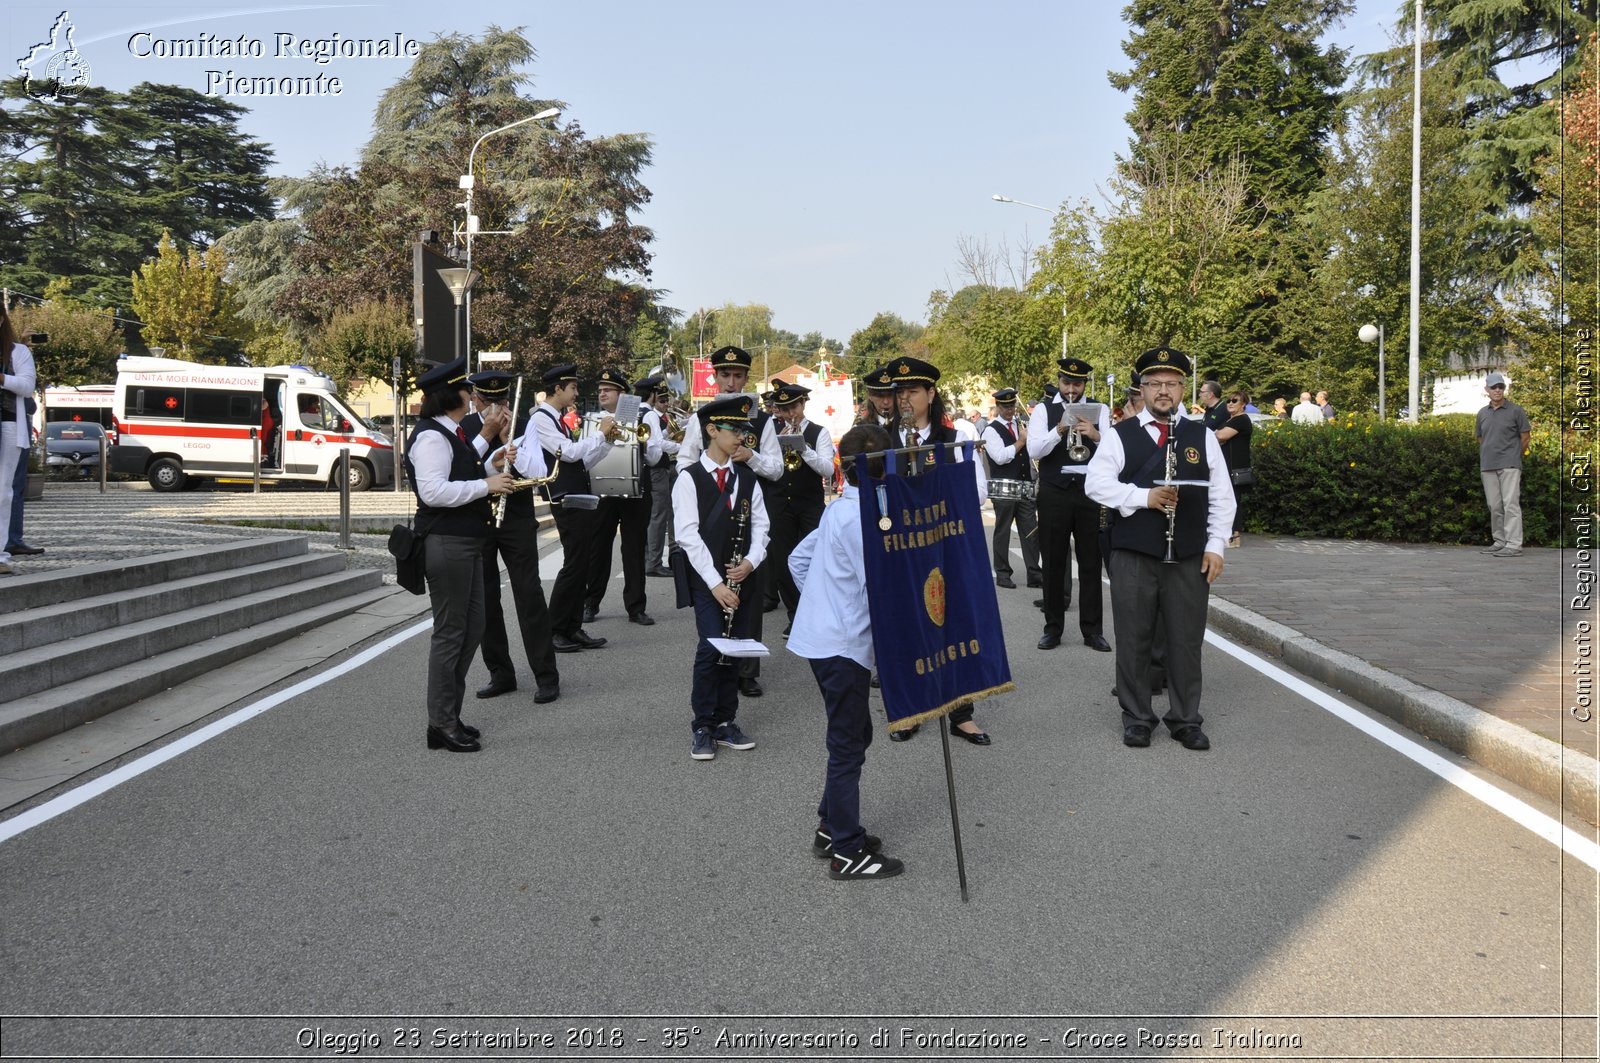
511, 424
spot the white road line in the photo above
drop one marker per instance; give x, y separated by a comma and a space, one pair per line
73, 798
1515, 809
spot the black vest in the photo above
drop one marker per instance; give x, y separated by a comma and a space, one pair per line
473, 520
927, 458
716, 522
1018, 468
802, 483
572, 477
1143, 464
1050, 465
519, 504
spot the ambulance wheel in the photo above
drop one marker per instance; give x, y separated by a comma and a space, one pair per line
360, 475
165, 474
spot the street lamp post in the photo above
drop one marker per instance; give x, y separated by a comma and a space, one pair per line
460, 281
1367, 334
471, 229
998, 198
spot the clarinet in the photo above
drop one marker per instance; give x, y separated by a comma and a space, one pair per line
740, 527
1172, 510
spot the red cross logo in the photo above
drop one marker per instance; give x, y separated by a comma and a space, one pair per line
828, 411
172, 403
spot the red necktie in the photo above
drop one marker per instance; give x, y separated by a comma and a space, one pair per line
461, 433
722, 485
1161, 434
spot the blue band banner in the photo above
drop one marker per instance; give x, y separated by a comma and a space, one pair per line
935, 620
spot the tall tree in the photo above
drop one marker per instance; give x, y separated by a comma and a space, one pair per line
84, 340
182, 299
885, 337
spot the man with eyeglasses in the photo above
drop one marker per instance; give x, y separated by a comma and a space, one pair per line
1503, 432
1146, 589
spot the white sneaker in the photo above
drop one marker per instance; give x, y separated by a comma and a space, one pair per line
1495, 549
1510, 551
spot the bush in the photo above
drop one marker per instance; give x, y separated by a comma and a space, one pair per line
1360, 478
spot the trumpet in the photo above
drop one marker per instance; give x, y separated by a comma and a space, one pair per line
674, 428
1077, 449
791, 460
630, 433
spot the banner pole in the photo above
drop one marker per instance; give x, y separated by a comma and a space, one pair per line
955, 819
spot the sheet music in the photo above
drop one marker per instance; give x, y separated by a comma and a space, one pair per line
628, 410
740, 647
1083, 411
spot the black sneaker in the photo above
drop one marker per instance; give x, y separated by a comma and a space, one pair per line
822, 843
864, 865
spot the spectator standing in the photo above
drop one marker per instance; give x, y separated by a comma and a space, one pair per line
16, 385
1280, 409
1325, 407
1214, 412
1307, 412
1234, 436
19, 493
1503, 432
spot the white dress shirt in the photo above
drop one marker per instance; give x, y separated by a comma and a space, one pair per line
766, 462
20, 382
1104, 486
960, 453
655, 448
829, 568
686, 523
997, 450
1042, 439
820, 459
548, 434
431, 458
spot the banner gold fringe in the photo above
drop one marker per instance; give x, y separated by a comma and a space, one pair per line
905, 723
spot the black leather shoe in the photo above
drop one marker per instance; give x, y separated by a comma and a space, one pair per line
1136, 735
587, 641
663, 572
904, 736
1038, 603
1049, 641
1191, 738
455, 740
1005, 581
545, 695
642, 619
590, 614
496, 688
562, 644
1097, 642
1033, 583
772, 608
977, 738
24, 550
750, 688
468, 730
874, 681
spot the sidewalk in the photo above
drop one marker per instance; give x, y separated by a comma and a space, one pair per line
1493, 633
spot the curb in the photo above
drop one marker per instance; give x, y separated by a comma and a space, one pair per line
1566, 776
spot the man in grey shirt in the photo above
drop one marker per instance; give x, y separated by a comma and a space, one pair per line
1503, 433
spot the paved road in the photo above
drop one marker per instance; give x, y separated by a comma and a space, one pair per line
317, 861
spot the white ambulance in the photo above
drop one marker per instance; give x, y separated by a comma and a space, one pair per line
179, 422
88, 402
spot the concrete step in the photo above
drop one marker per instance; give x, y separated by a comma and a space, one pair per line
69, 660
32, 628
112, 577
34, 718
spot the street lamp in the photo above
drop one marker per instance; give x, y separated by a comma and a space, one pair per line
460, 281
703, 312
998, 198
466, 184
1367, 334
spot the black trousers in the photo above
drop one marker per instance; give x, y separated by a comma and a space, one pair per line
845, 690
1149, 596
1069, 523
632, 517
792, 520
1023, 513
518, 542
714, 696
576, 527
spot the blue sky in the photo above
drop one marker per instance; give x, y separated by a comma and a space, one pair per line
823, 159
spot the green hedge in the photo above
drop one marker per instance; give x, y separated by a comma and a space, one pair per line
1361, 478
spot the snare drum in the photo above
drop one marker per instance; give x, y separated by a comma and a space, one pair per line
1010, 489
616, 475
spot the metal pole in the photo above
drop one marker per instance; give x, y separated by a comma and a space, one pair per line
255, 461
1381, 373
397, 426
102, 465
1416, 223
955, 819
344, 498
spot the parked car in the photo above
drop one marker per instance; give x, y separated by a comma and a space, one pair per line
73, 447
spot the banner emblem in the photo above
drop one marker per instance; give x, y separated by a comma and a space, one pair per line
933, 597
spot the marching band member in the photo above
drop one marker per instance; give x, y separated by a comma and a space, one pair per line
1145, 591
576, 526
794, 503
710, 501
731, 365
923, 422
632, 515
833, 630
1067, 516
1005, 448
880, 396
453, 515
653, 390
517, 540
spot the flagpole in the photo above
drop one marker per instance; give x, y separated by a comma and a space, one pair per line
955, 819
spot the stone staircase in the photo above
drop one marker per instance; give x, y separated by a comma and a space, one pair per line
84, 642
